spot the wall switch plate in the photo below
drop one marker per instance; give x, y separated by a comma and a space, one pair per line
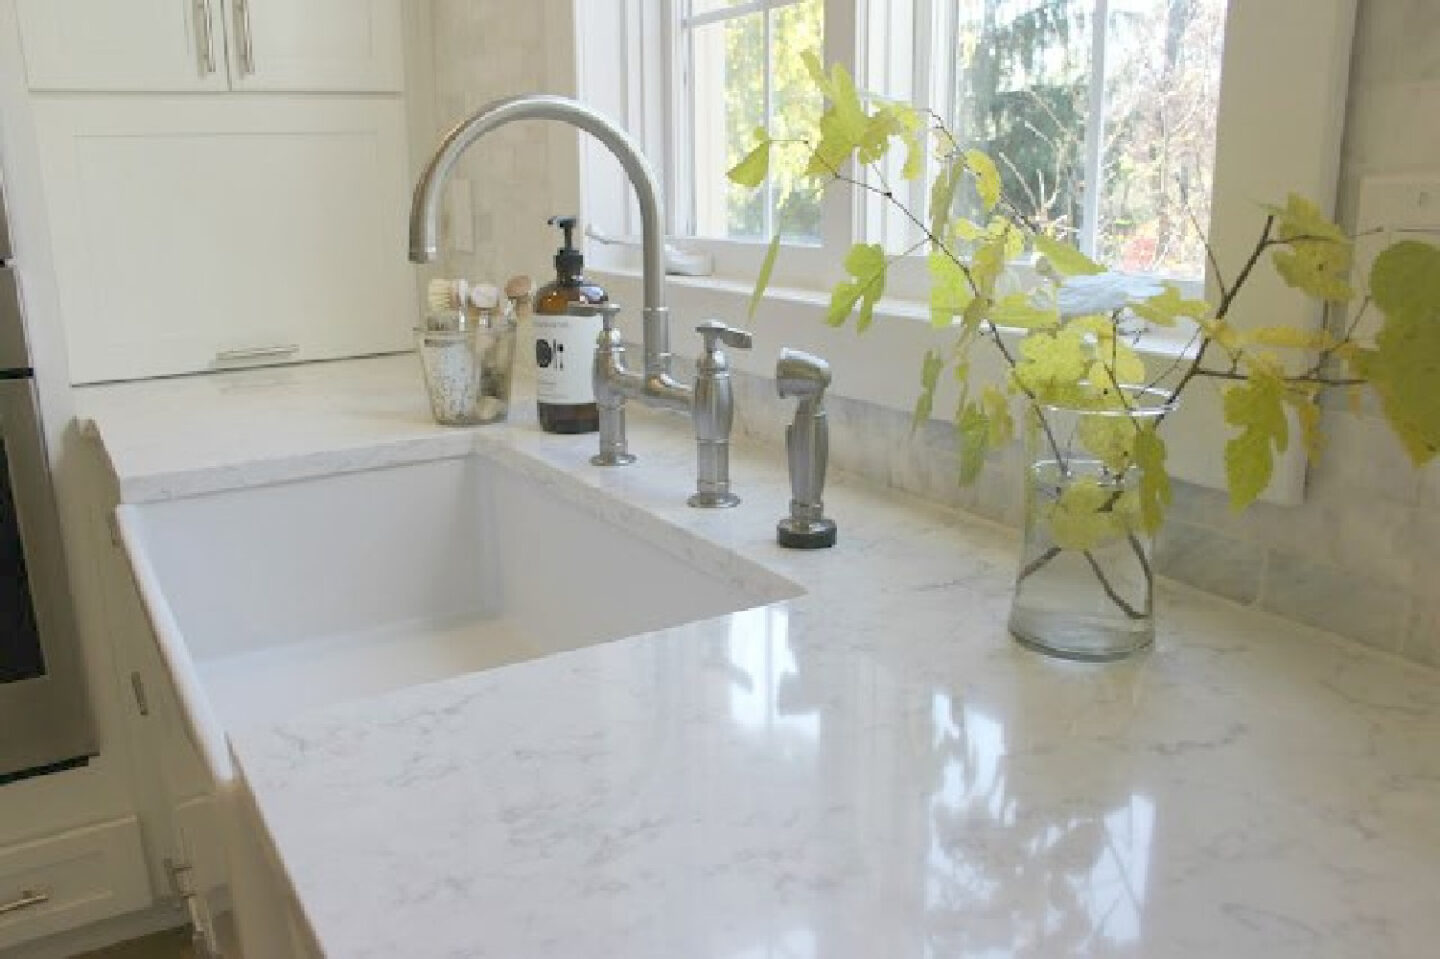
1390, 205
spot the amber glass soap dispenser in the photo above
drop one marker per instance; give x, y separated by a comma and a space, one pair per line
565, 344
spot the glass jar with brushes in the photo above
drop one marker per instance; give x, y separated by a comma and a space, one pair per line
467, 349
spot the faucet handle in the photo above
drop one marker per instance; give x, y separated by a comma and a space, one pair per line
716, 332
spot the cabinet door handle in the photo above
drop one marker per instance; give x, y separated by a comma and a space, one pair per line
243, 39
200, 13
28, 898
256, 353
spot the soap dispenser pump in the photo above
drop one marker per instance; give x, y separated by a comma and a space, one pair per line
565, 341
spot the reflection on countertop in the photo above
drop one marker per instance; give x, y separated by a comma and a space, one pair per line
872, 769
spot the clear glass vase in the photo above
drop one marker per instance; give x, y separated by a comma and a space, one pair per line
1085, 586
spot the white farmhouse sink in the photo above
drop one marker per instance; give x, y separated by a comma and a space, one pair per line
270, 600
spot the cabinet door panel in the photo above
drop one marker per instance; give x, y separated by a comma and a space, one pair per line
163, 45
318, 45
184, 229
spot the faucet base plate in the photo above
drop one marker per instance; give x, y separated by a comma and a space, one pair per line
805, 534
714, 500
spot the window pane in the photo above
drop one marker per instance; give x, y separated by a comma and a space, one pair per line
1023, 87
1162, 94
730, 97
1024, 93
727, 86
795, 104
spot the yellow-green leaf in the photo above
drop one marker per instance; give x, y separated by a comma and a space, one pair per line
972, 430
752, 170
930, 366
1052, 364
867, 265
942, 196
1288, 337
950, 291
1307, 412
976, 313
1118, 365
844, 123
1248, 464
1079, 518
1111, 439
1066, 260
1223, 334
1405, 279
1318, 257
1155, 493
1404, 367
988, 262
1311, 268
1257, 407
987, 178
997, 414
1019, 310
762, 280
816, 69
1163, 310
1299, 219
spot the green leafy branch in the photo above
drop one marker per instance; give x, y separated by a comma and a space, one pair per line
1075, 350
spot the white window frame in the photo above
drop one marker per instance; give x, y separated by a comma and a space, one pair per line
1282, 112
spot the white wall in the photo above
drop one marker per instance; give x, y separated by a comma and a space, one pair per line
521, 174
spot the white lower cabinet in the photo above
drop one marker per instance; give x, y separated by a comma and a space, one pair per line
199, 233
62, 882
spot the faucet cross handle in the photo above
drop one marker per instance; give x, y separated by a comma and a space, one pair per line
713, 411
716, 332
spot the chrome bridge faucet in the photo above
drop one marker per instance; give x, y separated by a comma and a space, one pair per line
653, 385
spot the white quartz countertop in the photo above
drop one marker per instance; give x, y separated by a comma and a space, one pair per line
873, 769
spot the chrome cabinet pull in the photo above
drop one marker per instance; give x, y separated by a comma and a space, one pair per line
137, 686
256, 353
244, 41
200, 12
28, 898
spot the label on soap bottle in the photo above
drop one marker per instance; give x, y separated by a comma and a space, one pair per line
564, 356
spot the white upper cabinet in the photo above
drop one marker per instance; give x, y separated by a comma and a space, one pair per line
202, 233
316, 45
164, 46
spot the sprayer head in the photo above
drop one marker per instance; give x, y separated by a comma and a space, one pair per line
800, 374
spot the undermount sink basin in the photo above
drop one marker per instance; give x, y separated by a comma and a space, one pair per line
271, 600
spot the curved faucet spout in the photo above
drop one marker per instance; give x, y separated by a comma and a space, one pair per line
425, 208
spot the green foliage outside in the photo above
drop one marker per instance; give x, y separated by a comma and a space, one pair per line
795, 198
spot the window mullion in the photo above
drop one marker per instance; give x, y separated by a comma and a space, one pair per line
768, 222
1095, 131
840, 209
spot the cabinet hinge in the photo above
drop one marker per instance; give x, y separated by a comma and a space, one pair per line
204, 943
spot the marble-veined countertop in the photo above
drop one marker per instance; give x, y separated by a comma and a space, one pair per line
870, 770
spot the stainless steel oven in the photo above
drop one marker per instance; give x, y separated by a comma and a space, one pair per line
44, 718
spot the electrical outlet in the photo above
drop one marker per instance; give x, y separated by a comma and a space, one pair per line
1388, 205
